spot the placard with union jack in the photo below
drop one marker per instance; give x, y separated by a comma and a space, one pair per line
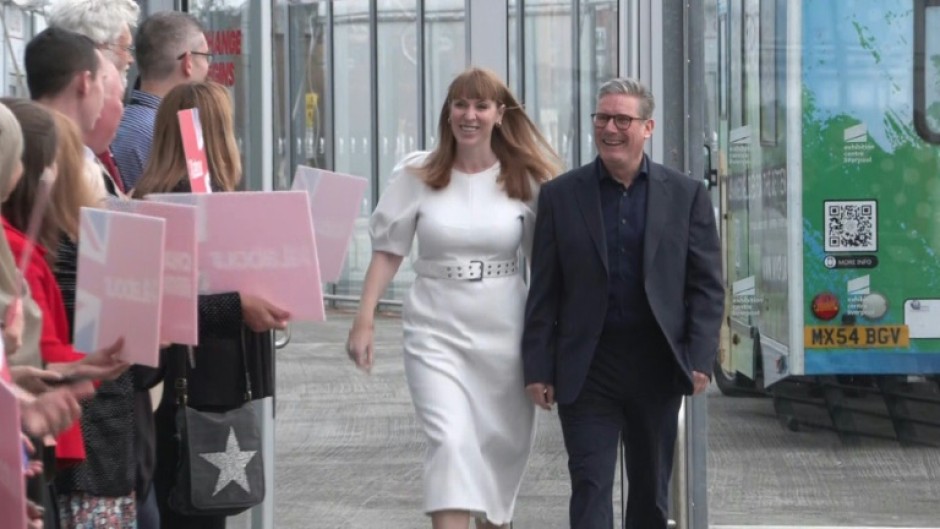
12, 488
179, 314
120, 283
335, 204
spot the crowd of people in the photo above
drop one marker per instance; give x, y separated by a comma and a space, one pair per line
101, 454
597, 290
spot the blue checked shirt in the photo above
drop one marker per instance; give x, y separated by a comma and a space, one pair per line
131, 145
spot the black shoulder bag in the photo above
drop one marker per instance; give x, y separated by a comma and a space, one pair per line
221, 470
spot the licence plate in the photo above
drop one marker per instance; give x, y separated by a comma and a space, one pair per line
856, 336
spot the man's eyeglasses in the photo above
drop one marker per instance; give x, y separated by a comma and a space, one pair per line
621, 121
205, 54
112, 46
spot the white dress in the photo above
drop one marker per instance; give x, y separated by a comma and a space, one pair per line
462, 338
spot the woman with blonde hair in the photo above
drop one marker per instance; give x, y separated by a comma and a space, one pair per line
471, 205
20, 315
226, 350
43, 154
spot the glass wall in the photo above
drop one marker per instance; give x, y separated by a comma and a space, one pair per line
444, 57
398, 78
302, 132
597, 62
352, 87
226, 23
346, 95
19, 25
548, 71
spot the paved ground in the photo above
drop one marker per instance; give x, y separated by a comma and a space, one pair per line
349, 455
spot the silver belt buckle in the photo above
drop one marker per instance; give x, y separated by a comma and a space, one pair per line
470, 276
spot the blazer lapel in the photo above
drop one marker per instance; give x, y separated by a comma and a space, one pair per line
657, 214
589, 200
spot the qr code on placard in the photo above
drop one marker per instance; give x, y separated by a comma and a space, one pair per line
851, 226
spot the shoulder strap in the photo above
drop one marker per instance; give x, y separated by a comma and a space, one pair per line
185, 358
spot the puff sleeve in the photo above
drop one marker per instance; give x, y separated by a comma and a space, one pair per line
393, 223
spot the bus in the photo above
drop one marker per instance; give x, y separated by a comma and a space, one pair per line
828, 162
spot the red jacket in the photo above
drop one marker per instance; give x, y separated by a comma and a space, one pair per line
54, 343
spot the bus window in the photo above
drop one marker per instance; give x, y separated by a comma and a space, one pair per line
927, 70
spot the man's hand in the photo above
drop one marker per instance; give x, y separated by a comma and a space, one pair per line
260, 316
542, 395
700, 382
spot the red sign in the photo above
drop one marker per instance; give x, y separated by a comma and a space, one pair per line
195, 149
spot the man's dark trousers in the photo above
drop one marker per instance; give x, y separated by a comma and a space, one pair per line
630, 391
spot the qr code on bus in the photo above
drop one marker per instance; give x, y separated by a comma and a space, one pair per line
851, 226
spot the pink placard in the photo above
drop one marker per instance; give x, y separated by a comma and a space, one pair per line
120, 284
335, 204
258, 243
195, 149
12, 487
179, 314
5, 375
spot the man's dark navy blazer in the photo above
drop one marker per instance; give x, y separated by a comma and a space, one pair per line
568, 294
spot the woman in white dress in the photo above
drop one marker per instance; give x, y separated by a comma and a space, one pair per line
471, 205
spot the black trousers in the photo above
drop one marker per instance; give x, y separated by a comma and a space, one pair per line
631, 392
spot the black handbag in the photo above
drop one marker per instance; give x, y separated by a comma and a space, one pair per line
221, 469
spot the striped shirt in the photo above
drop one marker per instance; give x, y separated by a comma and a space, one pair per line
131, 145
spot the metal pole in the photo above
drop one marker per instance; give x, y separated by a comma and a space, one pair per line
678, 507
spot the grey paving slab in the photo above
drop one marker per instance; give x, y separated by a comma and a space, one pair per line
349, 454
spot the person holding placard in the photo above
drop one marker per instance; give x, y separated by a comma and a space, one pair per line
39, 162
43, 149
471, 205
19, 314
234, 337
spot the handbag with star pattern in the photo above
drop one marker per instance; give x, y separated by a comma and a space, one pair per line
221, 470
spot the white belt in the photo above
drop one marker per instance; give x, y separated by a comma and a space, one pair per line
465, 270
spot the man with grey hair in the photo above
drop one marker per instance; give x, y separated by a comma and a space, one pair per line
171, 50
108, 23
624, 310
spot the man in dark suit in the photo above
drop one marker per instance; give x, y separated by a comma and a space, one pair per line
624, 310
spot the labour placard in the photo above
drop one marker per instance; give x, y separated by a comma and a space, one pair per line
12, 488
120, 284
335, 204
195, 149
179, 314
258, 243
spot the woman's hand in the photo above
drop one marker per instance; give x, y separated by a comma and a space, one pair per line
103, 364
54, 411
360, 346
32, 379
33, 466
261, 316
34, 515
